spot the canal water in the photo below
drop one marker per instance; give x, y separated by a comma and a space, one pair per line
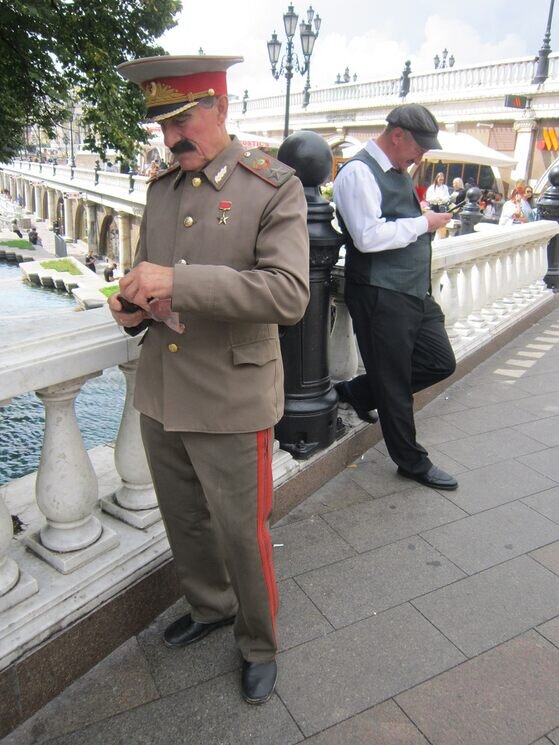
98, 406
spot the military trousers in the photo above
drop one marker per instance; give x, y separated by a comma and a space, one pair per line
405, 348
215, 493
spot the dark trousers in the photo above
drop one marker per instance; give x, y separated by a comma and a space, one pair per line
405, 348
215, 494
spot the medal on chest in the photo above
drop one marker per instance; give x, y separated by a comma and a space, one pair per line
224, 212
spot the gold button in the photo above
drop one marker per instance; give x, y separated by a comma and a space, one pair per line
188, 221
196, 182
173, 348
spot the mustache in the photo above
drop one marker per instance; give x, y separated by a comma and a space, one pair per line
183, 146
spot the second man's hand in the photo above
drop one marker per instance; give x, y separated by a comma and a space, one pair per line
436, 220
147, 281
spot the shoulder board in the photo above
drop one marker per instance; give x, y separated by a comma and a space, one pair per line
163, 172
269, 169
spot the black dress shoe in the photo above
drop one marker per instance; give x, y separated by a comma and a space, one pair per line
185, 631
435, 478
346, 397
259, 681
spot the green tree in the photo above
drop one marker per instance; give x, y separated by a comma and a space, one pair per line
53, 52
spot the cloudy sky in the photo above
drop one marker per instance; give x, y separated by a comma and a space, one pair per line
371, 37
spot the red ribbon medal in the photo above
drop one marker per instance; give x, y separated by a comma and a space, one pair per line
225, 208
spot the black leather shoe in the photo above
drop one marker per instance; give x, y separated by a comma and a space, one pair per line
259, 680
185, 631
346, 397
435, 478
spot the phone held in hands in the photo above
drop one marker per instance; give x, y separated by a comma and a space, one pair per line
127, 306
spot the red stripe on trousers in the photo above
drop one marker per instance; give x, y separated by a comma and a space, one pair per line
264, 507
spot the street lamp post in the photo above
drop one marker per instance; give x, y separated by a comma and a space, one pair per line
440, 64
542, 67
290, 61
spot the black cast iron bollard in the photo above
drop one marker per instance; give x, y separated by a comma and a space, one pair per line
311, 404
471, 214
548, 209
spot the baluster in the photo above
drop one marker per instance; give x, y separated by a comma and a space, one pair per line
15, 586
343, 356
449, 300
464, 296
134, 502
66, 488
479, 294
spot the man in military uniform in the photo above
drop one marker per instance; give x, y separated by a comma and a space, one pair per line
222, 260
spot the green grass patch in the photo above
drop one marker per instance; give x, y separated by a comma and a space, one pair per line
109, 290
17, 243
61, 265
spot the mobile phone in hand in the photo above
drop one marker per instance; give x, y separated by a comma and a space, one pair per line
127, 306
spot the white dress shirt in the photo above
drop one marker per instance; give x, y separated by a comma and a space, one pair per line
358, 198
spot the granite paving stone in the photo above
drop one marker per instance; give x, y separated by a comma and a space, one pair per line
434, 430
506, 696
491, 607
298, 619
541, 406
550, 630
305, 545
475, 394
328, 680
384, 724
440, 459
546, 503
341, 491
483, 488
444, 404
491, 537
378, 477
554, 736
534, 380
490, 447
393, 517
120, 682
374, 581
545, 431
210, 714
175, 669
487, 418
546, 462
548, 556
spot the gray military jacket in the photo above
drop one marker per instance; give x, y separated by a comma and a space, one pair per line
237, 238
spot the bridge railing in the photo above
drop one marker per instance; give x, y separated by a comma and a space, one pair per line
502, 74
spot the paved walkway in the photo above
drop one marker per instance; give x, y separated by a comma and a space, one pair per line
408, 616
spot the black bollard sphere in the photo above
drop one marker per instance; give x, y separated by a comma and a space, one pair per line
548, 209
309, 155
310, 418
471, 214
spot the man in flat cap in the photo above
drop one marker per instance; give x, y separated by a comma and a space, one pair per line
399, 327
222, 260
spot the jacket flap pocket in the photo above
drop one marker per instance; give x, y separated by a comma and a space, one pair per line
256, 352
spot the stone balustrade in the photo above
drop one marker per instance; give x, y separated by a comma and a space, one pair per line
478, 77
92, 529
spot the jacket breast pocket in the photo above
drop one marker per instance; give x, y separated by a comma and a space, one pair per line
257, 352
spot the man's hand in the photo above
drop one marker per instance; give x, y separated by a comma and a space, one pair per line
147, 281
121, 317
437, 220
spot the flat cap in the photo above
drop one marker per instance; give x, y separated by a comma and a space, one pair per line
172, 85
419, 121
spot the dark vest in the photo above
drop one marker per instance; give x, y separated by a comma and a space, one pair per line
406, 269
